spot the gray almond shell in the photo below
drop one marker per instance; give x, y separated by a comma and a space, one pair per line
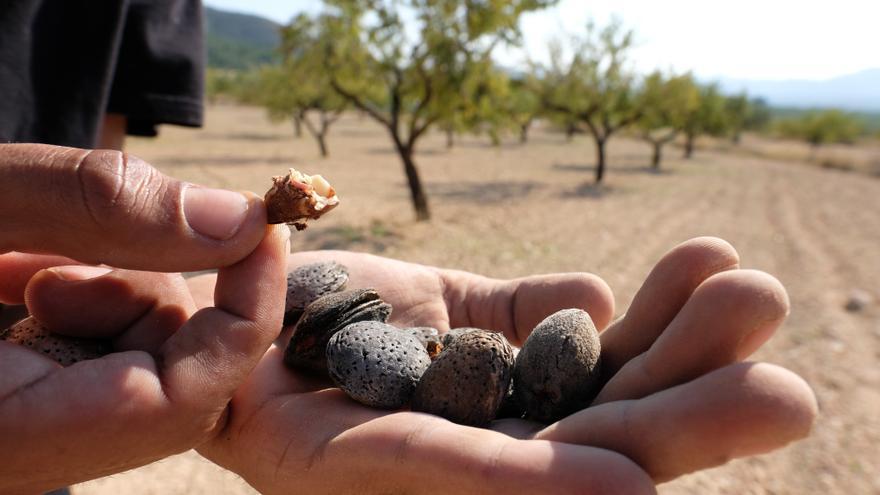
468, 381
429, 337
424, 334
558, 368
62, 349
376, 364
309, 282
326, 316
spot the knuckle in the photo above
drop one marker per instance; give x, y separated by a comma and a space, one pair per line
100, 177
115, 186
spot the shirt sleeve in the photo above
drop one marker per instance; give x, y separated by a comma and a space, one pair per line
159, 74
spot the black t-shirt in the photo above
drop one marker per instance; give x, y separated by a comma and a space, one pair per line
65, 63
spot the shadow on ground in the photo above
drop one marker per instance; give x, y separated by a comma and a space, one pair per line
484, 192
419, 151
629, 168
374, 238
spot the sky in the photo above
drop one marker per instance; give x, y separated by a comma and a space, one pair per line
746, 39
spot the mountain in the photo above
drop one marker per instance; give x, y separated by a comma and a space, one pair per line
854, 92
239, 41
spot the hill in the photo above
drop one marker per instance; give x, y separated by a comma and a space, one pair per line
854, 92
239, 41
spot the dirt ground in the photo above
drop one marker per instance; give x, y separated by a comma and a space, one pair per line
517, 210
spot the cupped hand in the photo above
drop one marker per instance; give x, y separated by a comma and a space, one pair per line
167, 385
678, 396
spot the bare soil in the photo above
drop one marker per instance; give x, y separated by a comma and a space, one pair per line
518, 209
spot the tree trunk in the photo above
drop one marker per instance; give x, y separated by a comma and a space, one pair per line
322, 143
655, 158
320, 135
569, 132
494, 138
524, 132
450, 139
297, 126
417, 192
814, 151
600, 160
689, 145
737, 137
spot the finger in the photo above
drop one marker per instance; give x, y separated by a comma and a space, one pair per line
410, 453
17, 268
86, 410
107, 207
514, 307
665, 291
740, 410
726, 319
216, 349
138, 310
426, 450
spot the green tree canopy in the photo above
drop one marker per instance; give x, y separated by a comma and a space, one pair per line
524, 104
821, 127
299, 88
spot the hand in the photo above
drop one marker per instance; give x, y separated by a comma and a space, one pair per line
677, 398
166, 387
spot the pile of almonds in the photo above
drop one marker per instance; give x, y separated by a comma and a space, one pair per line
467, 375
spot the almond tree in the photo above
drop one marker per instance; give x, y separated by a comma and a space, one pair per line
404, 73
595, 86
299, 88
666, 102
524, 105
745, 114
708, 117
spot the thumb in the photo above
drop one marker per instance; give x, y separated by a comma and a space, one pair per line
111, 207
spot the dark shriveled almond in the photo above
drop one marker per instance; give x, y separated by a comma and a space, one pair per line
326, 316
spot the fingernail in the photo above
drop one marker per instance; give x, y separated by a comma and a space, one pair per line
79, 272
214, 213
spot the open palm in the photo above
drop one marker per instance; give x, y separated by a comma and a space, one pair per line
677, 397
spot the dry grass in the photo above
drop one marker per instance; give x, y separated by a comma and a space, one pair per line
517, 210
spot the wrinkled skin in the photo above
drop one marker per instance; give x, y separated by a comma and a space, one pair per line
195, 365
